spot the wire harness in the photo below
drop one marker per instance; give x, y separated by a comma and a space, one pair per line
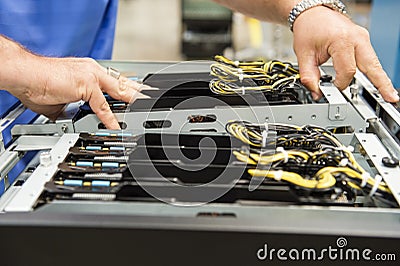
308, 157
241, 77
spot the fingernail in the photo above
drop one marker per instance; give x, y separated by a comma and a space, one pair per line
395, 96
115, 125
142, 96
146, 87
315, 96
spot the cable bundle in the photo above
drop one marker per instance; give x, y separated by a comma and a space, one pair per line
241, 77
308, 157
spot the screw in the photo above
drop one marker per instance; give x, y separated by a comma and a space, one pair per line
64, 128
354, 91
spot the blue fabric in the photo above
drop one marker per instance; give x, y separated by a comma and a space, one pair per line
2, 186
7, 103
385, 36
82, 28
20, 166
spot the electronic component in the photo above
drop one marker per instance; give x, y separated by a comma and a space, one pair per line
288, 170
309, 157
308, 166
278, 81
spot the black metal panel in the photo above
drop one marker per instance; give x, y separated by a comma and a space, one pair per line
101, 240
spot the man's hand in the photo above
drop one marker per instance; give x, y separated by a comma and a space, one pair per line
72, 79
321, 33
58, 81
46, 84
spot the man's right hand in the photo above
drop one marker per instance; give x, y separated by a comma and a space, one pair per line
45, 85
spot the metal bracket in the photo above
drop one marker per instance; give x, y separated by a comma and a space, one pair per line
63, 124
2, 147
26, 198
59, 127
7, 161
34, 129
337, 103
5, 122
376, 151
36, 143
10, 157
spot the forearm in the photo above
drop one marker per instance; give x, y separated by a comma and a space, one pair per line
276, 11
19, 68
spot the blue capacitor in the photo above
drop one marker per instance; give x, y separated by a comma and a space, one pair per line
84, 163
100, 183
72, 182
110, 165
117, 148
93, 148
124, 134
102, 134
118, 104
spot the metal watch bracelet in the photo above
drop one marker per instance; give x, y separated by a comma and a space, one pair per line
307, 4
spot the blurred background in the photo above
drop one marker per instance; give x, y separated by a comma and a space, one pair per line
173, 30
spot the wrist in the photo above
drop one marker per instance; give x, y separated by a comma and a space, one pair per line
305, 5
284, 8
21, 67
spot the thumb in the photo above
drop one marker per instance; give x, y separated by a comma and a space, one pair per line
310, 74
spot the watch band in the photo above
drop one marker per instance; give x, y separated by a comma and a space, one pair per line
307, 4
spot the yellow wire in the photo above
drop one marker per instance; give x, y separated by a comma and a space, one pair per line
327, 181
228, 72
241, 132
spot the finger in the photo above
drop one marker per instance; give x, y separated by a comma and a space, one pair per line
138, 95
100, 107
369, 64
148, 88
344, 63
111, 80
133, 84
140, 86
309, 73
122, 89
141, 96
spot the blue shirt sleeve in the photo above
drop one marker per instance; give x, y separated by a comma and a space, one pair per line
385, 36
81, 28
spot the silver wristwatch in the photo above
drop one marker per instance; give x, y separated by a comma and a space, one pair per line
307, 4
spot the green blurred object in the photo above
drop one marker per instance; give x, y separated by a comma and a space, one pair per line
204, 9
206, 29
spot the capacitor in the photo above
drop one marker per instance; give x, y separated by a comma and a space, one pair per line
84, 164
93, 148
100, 183
73, 182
